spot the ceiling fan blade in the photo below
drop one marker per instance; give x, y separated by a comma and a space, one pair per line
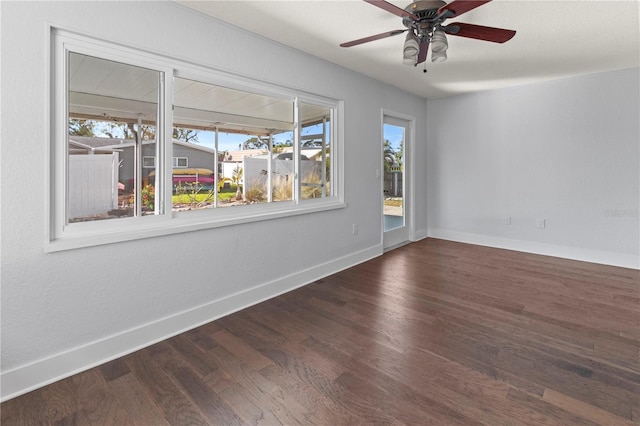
422, 53
372, 38
391, 8
458, 7
479, 32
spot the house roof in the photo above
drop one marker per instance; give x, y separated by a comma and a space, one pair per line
238, 155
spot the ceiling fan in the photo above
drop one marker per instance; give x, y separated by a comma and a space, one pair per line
424, 21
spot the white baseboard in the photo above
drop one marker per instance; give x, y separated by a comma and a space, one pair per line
420, 234
23, 379
573, 253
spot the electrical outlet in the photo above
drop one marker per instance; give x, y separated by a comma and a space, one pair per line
541, 223
354, 229
507, 220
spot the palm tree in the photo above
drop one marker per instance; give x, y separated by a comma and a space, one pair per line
236, 177
389, 155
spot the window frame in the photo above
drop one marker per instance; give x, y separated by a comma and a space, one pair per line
146, 158
61, 235
175, 163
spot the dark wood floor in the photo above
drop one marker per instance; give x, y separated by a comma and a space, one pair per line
431, 333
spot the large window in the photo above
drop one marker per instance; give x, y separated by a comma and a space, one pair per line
136, 136
260, 152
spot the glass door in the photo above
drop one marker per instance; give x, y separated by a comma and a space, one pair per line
395, 137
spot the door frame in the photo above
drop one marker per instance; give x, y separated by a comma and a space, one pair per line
403, 235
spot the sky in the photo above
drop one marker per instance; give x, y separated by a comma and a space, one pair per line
394, 134
231, 141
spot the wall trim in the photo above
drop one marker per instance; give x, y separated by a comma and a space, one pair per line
565, 252
420, 234
26, 378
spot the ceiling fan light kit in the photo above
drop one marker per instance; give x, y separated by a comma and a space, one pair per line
438, 56
439, 46
424, 19
411, 46
410, 61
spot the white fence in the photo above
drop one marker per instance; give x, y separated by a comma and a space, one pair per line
93, 184
255, 172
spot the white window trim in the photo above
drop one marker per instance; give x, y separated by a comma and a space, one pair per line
62, 236
147, 158
176, 162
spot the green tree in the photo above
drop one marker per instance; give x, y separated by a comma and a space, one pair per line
389, 155
185, 135
255, 143
279, 146
118, 130
399, 153
81, 127
147, 132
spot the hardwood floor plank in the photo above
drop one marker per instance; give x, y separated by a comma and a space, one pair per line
251, 412
261, 391
209, 403
401, 403
432, 333
113, 370
242, 350
535, 411
135, 401
97, 405
434, 392
201, 337
28, 410
176, 407
581, 409
62, 401
322, 409
196, 359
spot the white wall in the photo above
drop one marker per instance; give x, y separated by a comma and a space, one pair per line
65, 311
566, 151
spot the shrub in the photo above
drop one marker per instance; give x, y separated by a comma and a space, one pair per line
148, 196
255, 193
282, 190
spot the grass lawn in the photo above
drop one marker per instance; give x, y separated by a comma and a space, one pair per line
225, 194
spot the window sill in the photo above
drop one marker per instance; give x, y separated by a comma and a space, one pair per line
188, 221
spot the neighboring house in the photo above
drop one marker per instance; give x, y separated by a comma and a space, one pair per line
185, 155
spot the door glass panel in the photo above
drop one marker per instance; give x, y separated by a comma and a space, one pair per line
393, 146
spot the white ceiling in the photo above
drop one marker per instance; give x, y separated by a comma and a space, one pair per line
554, 39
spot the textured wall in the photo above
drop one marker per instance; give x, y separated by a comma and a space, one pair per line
566, 151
